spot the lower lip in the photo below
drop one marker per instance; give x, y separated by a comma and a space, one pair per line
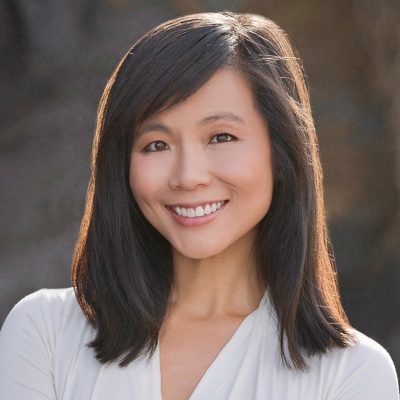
185, 221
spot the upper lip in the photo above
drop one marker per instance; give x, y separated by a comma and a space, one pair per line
194, 205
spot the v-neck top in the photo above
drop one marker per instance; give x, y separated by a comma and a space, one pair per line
44, 355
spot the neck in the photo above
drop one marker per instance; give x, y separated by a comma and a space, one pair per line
225, 285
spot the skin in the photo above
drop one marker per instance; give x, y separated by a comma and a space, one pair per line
215, 282
213, 263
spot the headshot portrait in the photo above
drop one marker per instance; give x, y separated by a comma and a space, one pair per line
197, 225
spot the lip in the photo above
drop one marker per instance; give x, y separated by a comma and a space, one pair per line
194, 205
187, 222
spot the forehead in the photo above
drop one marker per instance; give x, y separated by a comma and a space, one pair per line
226, 96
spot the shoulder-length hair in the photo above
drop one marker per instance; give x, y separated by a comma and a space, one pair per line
122, 268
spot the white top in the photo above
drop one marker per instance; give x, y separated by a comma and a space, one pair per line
43, 355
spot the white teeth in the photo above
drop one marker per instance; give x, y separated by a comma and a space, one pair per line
199, 211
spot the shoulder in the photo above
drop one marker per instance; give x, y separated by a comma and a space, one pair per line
44, 300
366, 350
364, 370
42, 324
46, 297
42, 311
41, 332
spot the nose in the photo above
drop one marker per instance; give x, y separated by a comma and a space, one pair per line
191, 169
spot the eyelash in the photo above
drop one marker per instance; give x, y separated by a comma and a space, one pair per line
145, 150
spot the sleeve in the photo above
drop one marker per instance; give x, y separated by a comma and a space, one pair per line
366, 373
26, 352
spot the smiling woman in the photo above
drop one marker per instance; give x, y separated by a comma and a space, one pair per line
190, 170
203, 268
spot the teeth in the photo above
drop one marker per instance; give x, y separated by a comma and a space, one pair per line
199, 211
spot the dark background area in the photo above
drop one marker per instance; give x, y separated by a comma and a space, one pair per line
55, 59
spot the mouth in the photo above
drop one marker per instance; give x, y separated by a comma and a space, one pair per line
198, 210
201, 214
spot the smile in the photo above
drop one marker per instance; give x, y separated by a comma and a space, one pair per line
198, 211
201, 214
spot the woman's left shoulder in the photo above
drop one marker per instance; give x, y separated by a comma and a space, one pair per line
363, 370
365, 349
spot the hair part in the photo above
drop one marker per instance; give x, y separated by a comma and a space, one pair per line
122, 268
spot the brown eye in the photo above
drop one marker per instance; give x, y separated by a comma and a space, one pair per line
222, 138
156, 146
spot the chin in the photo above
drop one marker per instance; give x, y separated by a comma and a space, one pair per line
199, 253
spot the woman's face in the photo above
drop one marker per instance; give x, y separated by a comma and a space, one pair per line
212, 148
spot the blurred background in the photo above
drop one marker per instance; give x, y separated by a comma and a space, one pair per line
55, 59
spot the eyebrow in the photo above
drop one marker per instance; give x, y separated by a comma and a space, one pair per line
157, 126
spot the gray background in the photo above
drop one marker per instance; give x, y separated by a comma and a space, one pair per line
56, 57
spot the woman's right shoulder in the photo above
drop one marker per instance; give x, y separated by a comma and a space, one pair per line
49, 297
45, 300
46, 310
44, 331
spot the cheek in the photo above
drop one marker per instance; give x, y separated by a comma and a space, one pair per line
247, 168
145, 177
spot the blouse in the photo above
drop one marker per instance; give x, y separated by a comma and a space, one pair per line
44, 355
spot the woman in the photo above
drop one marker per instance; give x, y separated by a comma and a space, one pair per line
202, 268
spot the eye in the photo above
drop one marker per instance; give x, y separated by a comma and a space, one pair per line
155, 146
226, 137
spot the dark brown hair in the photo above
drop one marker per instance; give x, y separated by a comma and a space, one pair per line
122, 270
